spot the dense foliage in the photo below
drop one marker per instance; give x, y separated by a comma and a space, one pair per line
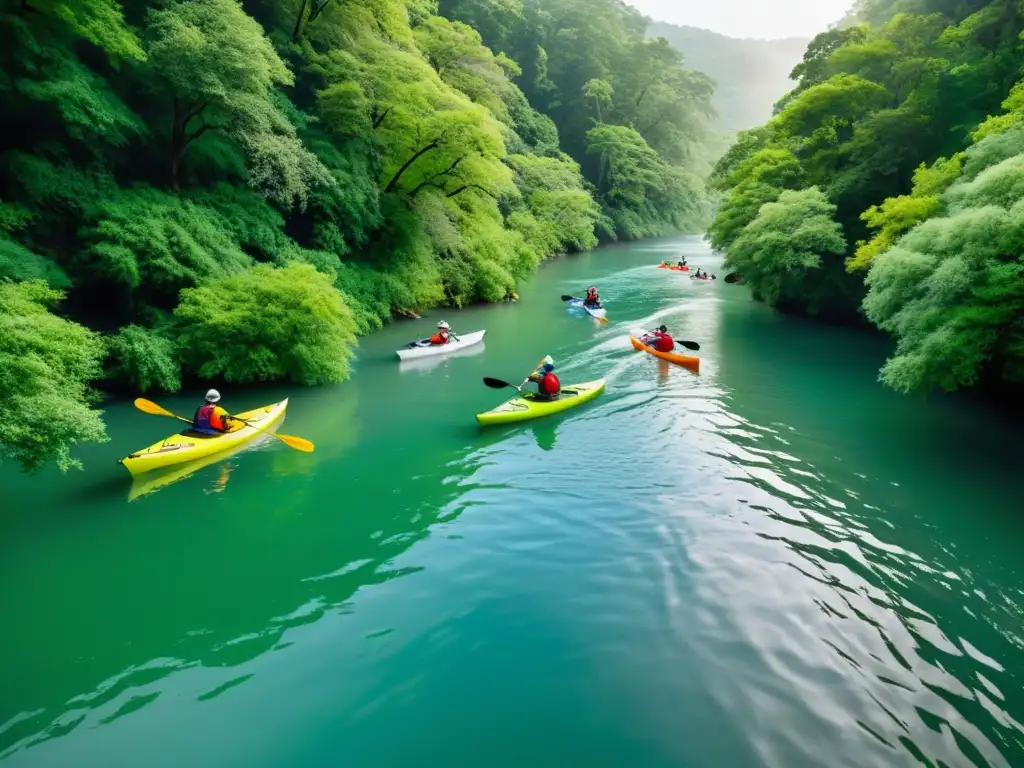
909, 127
45, 366
231, 190
636, 120
246, 327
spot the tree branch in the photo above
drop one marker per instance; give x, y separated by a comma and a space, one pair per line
408, 163
189, 138
297, 29
464, 187
377, 120
315, 10
429, 181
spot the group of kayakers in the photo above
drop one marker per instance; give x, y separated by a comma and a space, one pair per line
682, 266
212, 419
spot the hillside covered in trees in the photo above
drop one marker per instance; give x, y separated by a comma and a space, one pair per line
889, 188
214, 190
750, 75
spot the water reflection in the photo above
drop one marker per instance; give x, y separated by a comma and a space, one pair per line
899, 612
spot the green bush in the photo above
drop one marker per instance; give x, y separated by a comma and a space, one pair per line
267, 324
144, 360
45, 366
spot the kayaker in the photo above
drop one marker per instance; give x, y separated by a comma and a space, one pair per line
211, 419
592, 301
682, 263
548, 385
444, 334
660, 339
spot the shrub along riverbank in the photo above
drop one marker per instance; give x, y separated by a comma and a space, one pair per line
889, 188
214, 190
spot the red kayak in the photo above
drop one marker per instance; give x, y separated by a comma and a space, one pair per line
674, 268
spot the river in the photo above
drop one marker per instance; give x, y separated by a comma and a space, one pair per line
776, 562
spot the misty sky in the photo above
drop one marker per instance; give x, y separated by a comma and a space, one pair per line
749, 18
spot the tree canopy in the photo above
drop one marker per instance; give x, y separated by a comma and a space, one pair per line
908, 124
231, 190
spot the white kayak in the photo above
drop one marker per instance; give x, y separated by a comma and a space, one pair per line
600, 314
424, 348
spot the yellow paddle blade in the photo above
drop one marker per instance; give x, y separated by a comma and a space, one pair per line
298, 443
148, 406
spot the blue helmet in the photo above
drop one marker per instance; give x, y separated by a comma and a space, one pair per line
548, 368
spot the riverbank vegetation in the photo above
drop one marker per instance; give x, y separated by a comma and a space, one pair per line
214, 190
906, 129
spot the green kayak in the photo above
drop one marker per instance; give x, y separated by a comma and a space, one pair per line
526, 407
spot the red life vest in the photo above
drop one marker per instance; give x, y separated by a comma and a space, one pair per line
441, 337
207, 420
663, 342
549, 384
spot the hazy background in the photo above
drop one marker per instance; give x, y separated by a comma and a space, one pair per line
762, 19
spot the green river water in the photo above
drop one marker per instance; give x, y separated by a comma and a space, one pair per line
775, 563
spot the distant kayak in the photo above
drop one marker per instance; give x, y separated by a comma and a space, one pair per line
694, 277
527, 406
424, 348
600, 314
189, 446
687, 361
675, 267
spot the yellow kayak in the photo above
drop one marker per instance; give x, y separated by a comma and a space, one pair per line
525, 407
188, 446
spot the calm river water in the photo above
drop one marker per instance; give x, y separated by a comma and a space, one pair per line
776, 562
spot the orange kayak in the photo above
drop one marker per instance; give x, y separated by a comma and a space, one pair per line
675, 267
687, 361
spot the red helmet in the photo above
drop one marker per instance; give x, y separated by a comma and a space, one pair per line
592, 289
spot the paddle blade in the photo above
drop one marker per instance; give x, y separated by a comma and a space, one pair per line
689, 345
568, 298
495, 383
298, 443
603, 320
148, 406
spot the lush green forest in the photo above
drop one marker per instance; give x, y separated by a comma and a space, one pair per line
889, 188
232, 192
750, 75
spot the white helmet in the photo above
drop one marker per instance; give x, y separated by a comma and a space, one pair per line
212, 396
443, 325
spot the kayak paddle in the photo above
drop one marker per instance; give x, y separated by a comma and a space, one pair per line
499, 384
298, 443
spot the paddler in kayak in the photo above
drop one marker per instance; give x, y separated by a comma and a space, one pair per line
660, 339
548, 385
682, 263
444, 334
593, 301
211, 419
